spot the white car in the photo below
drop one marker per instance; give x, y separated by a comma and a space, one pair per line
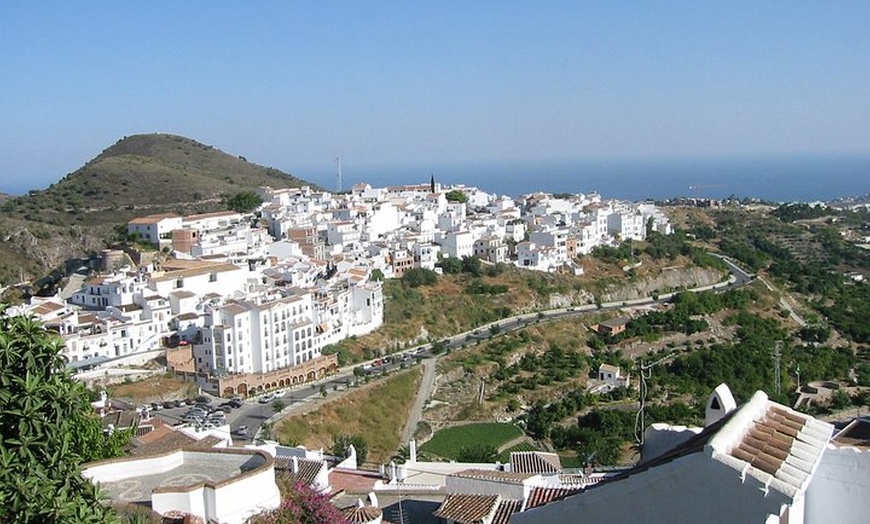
265, 399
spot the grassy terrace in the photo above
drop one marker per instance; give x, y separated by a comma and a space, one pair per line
375, 412
448, 442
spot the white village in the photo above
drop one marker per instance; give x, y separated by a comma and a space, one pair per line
244, 305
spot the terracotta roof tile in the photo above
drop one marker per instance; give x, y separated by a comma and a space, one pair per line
467, 509
535, 462
783, 444
492, 475
505, 509
856, 433
307, 473
541, 496
361, 515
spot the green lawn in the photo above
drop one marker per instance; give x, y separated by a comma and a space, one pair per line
448, 442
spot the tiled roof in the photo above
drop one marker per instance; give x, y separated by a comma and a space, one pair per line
535, 462
164, 439
196, 271
47, 307
784, 444
541, 496
153, 219
856, 433
361, 514
307, 473
505, 509
467, 509
492, 475
353, 480
215, 214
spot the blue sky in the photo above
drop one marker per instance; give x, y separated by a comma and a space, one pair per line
292, 84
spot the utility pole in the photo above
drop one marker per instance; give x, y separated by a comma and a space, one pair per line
338, 167
644, 372
777, 364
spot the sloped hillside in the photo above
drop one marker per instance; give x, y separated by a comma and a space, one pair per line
138, 175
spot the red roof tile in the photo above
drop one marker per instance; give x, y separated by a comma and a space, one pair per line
467, 509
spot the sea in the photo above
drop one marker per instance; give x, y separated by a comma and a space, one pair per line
772, 179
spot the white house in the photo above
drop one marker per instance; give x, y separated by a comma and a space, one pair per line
155, 229
457, 244
217, 485
762, 462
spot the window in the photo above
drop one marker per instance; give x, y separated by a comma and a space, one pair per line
179, 283
212, 277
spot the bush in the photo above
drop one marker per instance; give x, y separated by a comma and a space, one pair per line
417, 277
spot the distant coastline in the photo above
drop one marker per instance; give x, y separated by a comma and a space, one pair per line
799, 178
777, 179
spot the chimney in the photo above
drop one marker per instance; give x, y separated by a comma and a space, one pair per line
295, 465
720, 403
412, 450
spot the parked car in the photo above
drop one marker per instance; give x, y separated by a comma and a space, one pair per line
235, 403
156, 406
241, 430
265, 399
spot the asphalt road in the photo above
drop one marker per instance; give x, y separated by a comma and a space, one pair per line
252, 414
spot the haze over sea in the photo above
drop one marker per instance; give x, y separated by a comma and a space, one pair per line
777, 179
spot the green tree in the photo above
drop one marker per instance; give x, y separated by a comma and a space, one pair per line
456, 196
419, 276
243, 202
266, 431
341, 442
477, 453
278, 405
47, 430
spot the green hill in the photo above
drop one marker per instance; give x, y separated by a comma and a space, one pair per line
138, 175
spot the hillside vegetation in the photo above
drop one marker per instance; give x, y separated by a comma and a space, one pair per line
139, 175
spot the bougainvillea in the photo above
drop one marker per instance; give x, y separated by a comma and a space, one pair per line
301, 505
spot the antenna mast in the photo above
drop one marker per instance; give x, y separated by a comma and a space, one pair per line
644, 372
338, 166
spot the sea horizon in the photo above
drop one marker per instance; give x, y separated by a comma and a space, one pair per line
795, 178
777, 179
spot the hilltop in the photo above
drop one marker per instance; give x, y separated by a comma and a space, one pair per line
138, 175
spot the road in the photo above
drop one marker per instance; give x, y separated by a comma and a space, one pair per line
423, 394
253, 414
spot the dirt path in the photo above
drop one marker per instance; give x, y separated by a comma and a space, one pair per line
512, 443
427, 387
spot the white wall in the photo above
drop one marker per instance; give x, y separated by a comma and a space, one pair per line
695, 489
840, 488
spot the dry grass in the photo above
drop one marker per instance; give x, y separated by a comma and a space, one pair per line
153, 389
376, 412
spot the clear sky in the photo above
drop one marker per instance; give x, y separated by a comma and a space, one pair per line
290, 84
